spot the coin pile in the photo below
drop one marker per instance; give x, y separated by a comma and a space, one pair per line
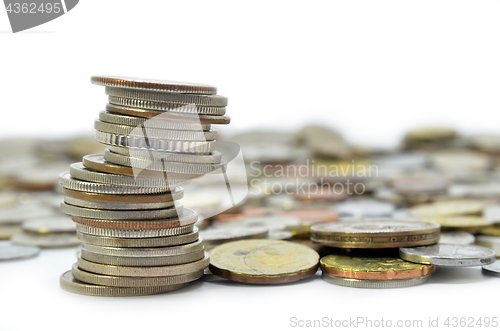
136, 236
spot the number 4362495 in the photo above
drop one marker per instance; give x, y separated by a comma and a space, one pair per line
33, 8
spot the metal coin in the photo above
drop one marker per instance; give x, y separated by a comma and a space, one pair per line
448, 208
13, 252
61, 224
110, 232
157, 123
375, 234
139, 158
263, 261
492, 269
153, 85
466, 223
46, 240
175, 194
102, 214
116, 206
374, 284
489, 242
449, 255
312, 216
70, 284
456, 237
216, 236
145, 252
279, 235
379, 268
9, 230
365, 208
189, 108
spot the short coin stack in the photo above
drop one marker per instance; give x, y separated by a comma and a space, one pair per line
136, 236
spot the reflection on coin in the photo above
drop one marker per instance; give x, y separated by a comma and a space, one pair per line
489, 242
70, 284
449, 255
466, 223
365, 208
13, 252
456, 237
448, 208
59, 224
368, 283
263, 261
380, 268
375, 234
46, 240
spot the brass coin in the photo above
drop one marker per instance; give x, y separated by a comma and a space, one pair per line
176, 194
263, 261
448, 208
465, 223
380, 268
430, 134
490, 231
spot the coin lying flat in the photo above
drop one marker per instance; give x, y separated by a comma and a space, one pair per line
466, 223
164, 197
14, 252
147, 233
375, 234
448, 208
489, 242
379, 268
492, 269
373, 284
263, 261
456, 237
156, 123
117, 281
132, 157
70, 284
217, 236
46, 240
449, 255
168, 106
61, 224
490, 231
173, 211
140, 242
153, 85
145, 252
115, 206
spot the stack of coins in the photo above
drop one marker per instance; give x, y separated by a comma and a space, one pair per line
136, 236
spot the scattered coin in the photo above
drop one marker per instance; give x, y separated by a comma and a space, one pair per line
489, 242
263, 261
448, 208
219, 236
46, 240
492, 269
312, 216
279, 235
14, 252
456, 237
449, 255
61, 224
365, 208
466, 223
7, 231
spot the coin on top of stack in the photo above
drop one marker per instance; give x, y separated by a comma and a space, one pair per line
137, 238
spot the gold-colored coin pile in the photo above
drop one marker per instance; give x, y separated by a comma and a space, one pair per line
137, 238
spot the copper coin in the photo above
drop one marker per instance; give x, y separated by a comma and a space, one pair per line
312, 216
176, 194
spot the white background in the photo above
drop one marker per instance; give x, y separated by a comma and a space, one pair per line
372, 69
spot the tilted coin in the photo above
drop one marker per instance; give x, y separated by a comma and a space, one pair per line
197, 99
154, 133
217, 236
263, 261
70, 284
168, 196
61, 224
144, 159
279, 235
456, 237
14, 252
117, 281
153, 85
142, 261
190, 108
448, 208
172, 170
449, 255
139, 242
111, 232
203, 147
145, 252
466, 223
365, 208
492, 269
74, 184
375, 234
171, 116
174, 211
188, 217
489, 242
46, 240
116, 206
373, 284
380, 268
163, 271
156, 123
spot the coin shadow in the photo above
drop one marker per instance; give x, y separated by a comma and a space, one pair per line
457, 275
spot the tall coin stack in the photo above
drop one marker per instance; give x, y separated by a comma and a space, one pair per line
137, 238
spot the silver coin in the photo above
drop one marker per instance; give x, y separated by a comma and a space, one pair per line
145, 252
20, 213
373, 284
203, 147
492, 269
175, 98
456, 237
449, 255
492, 213
365, 208
483, 190
157, 123
279, 235
121, 154
115, 206
168, 106
102, 214
215, 236
46, 240
489, 242
105, 232
13, 252
61, 224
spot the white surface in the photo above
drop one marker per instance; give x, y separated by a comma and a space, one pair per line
370, 68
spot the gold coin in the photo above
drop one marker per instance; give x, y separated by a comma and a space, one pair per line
448, 208
465, 223
490, 231
263, 261
379, 268
430, 134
